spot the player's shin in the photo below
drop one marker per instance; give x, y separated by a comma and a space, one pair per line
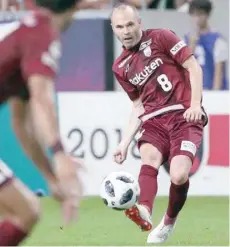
148, 186
177, 198
152, 160
180, 166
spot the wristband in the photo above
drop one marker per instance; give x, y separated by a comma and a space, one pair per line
57, 147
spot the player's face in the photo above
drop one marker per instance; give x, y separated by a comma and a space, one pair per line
200, 19
127, 27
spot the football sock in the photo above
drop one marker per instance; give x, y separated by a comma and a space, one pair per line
10, 235
148, 186
177, 198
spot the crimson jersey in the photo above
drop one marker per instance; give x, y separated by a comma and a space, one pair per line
152, 70
28, 47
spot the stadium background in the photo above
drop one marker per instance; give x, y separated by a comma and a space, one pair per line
93, 112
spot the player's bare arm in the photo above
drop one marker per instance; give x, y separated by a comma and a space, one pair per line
130, 132
218, 75
194, 113
24, 130
46, 125
193, 40
220, 56
43, 109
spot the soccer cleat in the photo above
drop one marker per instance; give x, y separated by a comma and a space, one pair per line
140, 215
161, 233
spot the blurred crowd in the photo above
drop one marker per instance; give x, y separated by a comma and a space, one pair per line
180, 5
208, 45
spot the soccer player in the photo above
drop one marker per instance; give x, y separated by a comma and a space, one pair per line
30, 50
209, 47
164, 82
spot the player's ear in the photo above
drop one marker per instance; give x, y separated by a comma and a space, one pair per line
112, 26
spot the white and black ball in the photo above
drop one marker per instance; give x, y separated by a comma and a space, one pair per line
120, 190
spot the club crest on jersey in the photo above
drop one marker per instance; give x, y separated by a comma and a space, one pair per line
147, 51
145, 44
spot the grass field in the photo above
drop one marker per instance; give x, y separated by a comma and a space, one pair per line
204, 221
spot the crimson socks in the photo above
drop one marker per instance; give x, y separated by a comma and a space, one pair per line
10, 235
148, 186
177, 198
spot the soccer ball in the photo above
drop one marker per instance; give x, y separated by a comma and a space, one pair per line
120, 190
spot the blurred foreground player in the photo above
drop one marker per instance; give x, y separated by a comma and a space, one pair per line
164, 81
30, 51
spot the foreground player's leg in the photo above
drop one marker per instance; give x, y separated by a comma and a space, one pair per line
141, 213
179, 174
20, 211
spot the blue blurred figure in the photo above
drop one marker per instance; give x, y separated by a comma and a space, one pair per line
209, 47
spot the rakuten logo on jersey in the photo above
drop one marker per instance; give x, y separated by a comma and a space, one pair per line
142, 77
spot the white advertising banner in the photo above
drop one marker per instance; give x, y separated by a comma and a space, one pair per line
92, 125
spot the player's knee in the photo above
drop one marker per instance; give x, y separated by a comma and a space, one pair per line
179, 178
150, 155
179, 169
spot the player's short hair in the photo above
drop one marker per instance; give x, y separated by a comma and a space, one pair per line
124, 6
203, 5
56, 6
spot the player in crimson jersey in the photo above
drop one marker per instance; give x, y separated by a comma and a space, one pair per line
164, 81
30, 50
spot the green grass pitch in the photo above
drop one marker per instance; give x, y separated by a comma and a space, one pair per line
203, 221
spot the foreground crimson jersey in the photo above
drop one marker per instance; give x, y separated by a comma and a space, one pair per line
27, 48
152, 70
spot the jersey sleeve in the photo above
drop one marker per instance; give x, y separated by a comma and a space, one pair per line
174, 46
130, 89
40, 52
